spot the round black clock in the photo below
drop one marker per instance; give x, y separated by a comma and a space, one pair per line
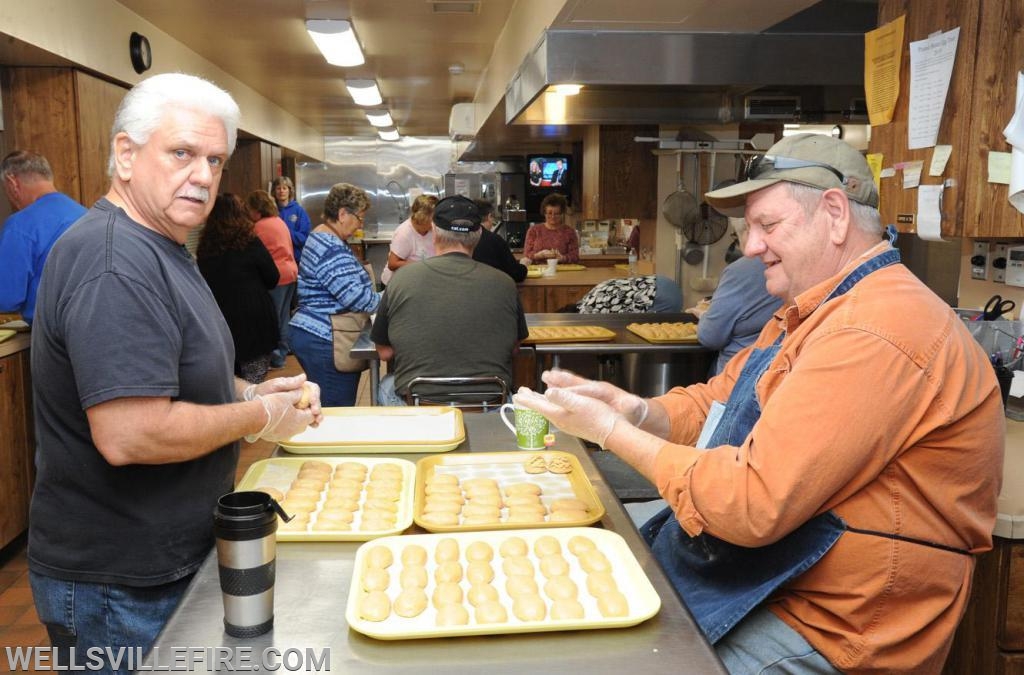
142, 55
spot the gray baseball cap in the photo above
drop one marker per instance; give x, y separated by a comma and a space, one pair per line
814, 160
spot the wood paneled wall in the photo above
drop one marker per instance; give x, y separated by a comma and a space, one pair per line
1000, 47
97, 103
923, 19
251, 167
628, 178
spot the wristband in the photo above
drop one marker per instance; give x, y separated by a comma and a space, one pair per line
252, 438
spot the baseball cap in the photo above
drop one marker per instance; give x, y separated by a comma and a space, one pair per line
457, 214
814, 160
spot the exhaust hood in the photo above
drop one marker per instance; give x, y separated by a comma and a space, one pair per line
645, 77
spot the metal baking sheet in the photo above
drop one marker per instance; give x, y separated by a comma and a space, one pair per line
377, 429
629, 578
279, 472
508, 468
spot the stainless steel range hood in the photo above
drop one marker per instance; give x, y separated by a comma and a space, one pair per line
667, 77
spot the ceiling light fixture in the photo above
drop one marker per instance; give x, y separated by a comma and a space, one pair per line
380, 118
364, 92
456, 68
337, 40
388, 134
567, 89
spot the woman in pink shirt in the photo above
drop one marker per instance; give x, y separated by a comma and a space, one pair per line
274, 234
413, 239
552, 238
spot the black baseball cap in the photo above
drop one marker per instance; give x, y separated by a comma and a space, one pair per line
457, 214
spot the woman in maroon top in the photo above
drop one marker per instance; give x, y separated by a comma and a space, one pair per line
552, 238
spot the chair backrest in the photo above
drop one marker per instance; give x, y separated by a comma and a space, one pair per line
471, 394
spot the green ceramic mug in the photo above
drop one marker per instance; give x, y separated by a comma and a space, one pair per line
530, 427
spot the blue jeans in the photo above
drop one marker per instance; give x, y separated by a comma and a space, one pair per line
386, 394
83, 615
316, 356
282, 297
762, 644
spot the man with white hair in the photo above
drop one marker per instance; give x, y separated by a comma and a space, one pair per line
826, 494
138, 413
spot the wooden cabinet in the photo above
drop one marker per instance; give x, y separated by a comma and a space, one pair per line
990, 638
64, 115
17, 444
251, 167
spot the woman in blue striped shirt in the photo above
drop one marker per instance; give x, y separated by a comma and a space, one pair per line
331, 281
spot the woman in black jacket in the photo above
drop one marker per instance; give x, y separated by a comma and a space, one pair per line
240, 272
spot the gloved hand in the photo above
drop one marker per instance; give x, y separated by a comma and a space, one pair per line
284, 419
588, 418
632, 407
310, 392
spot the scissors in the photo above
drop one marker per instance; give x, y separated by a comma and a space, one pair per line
996, 307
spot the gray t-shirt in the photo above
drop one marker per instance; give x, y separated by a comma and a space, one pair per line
123, 312
450, 316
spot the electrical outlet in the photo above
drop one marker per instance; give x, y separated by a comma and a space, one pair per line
997, 261
979, 261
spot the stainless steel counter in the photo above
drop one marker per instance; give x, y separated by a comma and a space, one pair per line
312, 590
624, 342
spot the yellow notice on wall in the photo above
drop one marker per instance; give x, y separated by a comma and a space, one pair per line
883, 53
874, 160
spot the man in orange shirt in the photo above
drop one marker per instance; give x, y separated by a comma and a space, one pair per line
826, 493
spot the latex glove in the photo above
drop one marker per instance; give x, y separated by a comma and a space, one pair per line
310, 392
631, 407
284, 419
525, 261
588, 418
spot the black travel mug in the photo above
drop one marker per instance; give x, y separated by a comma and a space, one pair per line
245, 526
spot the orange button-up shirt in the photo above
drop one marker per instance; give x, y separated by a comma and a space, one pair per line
881, 407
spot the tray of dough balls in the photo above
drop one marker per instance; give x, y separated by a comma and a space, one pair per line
503, 490
665, 332
337, 498
377, 429
480, 583
544, 334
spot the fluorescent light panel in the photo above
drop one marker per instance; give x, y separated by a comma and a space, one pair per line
567, 89
388, 134
380, 118
364, 92
337, 40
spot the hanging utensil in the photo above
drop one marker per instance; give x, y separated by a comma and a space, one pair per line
680, 207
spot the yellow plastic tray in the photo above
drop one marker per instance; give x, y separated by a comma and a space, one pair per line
6, 333
630, 579
532, 273
543, 334
643, 330
396, 427
507, 468
278, 472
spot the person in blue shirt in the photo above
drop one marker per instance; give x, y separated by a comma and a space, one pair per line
740, 306
41, 215
292, 213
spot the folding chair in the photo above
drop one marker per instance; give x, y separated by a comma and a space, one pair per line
471, 394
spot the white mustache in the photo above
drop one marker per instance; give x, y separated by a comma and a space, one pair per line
200, 194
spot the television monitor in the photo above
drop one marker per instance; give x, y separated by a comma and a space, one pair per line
549, 172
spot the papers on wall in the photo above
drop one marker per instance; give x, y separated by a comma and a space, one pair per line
1014, 133
874, 160
931, 66
883, 51
911, 173
939, 158
999, 167
929, 212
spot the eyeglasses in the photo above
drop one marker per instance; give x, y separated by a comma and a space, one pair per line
356, 216
763, 163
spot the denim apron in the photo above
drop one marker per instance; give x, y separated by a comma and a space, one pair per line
722, 582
